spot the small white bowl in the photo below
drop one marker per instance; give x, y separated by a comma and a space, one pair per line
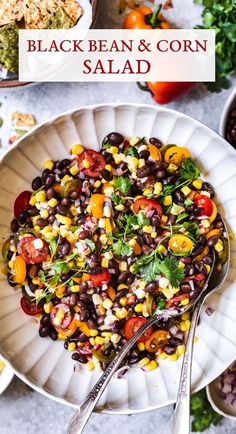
217, 402
226, 110
6, 376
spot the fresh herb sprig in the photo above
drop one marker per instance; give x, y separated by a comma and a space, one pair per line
202, 412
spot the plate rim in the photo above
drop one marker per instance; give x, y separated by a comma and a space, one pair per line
52, 120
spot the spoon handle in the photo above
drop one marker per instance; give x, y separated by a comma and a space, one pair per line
181, 418
81, 417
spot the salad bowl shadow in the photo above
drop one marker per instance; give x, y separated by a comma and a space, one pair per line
44, 364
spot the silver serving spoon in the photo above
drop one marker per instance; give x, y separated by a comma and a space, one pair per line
81, 417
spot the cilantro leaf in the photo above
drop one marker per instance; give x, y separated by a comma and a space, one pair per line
121, 248
193, 231
60, 267
188, 202
189, 170
53, 246
161, 304
181, 217
91, 244
170, 268
202, 412
123, 184
42, 276
115, 198
105, 143
74, 228
150, 271
131, 151
142, 220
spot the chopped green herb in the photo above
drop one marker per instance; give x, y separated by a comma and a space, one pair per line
188, 202
131, 151
123, 184
74, 228
189, 170
59, 267
169, 267
115, 198
105, 143
181, 217
202, 412
91, 244
53, 246
42, 276
161, 304
121, 248
142, 220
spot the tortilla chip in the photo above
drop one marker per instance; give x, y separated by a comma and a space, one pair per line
58, 20
9, 47
11, 10
72, 9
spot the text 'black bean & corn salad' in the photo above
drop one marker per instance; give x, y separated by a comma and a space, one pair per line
105, 239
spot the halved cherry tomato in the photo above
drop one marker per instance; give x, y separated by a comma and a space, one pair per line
97, 202
154, 152
22, 203
205, 203
133, 324
29, 308
147, 205
96, 161
180, 244
101, 278
20, 270
157, 340
29, 253
176, 155
60, 316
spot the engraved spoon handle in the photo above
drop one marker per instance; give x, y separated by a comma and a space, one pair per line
81, 417
181, 418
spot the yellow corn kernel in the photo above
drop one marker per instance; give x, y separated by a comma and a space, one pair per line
108, 167
147, 229
186, 190
122, 286
86, 163
153, 234
90, 366
37, 228
48, 164
97, 184
184, 302
46, 230
185, 316
99, 340
138, 308
71, 264
122, 313
77, 149
60, 291
2, 365
61, 337
40, 196
180, 350
32, 201
143, 362
101, 310
167, 200
63, 220
74, 170
158, 188
181, 265
134, 141
74, 288
147, 191
48, 307
107, 303
173, 357
164, 220
123, 266
80, 262
115, 338
205, 193
172, 168
120, 207
106, 334
105, 263
52, 202
103, 238
44, 213
184, 325
93, 332
11, 264
65, 179
162, 355
132, 242
113, 150
141, 346
219, 246
108, 255
72, 346
141, 163
123, 301
108, 190
151, 365
133, 164
92, 341
197, 183
208, 268
167, 293
205, 223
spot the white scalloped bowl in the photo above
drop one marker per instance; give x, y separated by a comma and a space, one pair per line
44, 364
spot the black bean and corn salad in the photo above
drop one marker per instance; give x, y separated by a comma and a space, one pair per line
105, 239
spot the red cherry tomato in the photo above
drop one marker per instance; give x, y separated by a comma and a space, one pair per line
60, 316
205, 203
29, 253
147, 205
21, 203
133, 324
96, 161
29, 308
101, 278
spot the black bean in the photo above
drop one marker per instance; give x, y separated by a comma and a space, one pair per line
207, 260
51, 219
41, 222
123, 166
10, 281
197, 251
74, 195
169, 349
175, 342
143, 172
91, 324
58, 165
212, 241
50, 193
121, 294
50, 181
37, 183
65, 162
144, 154
32, 212
44, 331
86, 298
84, 234
134, 360
83, 286
84, 315
79, 357
208, 187
190, 208
199, 267
14, 225
96, 270
172, 219
29, 225
64, 248
82, 337
160, 174
115, 138
108, 351
106, 175
202, 239
101, 319
45, 320
151, 287
185, 287
147, 238
155, 220
66, 345
9, 255
130, 279
52, 210
23, 217
219, 224
62, 209
146, 249
53, 334
45, 174
66, 202
156, 142
122, 277
179, 195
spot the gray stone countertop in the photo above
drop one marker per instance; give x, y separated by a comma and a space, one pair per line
22, 410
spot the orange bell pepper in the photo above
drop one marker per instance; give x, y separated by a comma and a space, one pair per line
97, 202
20, 270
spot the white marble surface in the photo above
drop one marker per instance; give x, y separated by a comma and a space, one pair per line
23, 410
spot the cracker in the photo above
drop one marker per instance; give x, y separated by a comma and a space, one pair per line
72, 9
11, 10
22, 120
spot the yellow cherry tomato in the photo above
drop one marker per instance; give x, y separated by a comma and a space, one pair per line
20, 270
157, 340
176, 155
180, 244
154, 152
97, 202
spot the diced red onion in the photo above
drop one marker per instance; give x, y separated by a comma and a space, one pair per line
229, 398
121, 373
209, 311
227, 388
191, 283
226, 385
29, 292
174, 330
